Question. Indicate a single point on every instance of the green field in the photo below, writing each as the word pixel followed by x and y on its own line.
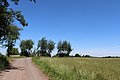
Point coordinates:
pixel 80 68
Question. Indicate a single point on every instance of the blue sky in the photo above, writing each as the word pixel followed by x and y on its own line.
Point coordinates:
pixel 92 26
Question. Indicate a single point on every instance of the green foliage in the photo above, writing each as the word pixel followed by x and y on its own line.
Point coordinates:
pixel 79 68
pixel 45 47
pixel 77 55
pixel 42 46
pixel 7 18
pixel 50 47
pixel 6 2
pixel 11 37
pixel 59 46
pixel 64 48
pixel 86 56
pixel 26 46
pixel 3 62
pixel 14 51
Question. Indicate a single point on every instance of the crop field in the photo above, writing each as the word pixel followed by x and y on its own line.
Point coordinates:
pixel 79 68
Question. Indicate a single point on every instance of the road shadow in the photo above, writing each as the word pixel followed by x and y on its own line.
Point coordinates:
pixel 10 67
pixel 1 74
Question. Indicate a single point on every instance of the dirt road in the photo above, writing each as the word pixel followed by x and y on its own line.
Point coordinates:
pixel 22 69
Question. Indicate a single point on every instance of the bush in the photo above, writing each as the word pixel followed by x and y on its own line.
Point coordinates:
pixel 3 62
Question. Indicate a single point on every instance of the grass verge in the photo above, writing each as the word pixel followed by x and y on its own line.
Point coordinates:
pixel 4 61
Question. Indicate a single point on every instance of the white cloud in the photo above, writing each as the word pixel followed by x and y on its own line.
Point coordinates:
pixel 109 51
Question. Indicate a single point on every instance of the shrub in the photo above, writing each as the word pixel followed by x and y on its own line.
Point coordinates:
pixel 3 62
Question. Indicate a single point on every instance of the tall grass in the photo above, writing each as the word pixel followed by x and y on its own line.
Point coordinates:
pixel 79 68
pixel 3 62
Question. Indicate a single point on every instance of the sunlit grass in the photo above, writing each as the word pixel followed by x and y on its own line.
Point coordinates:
pixel 80 68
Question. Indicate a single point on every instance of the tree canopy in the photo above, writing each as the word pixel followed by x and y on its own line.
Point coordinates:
pixel 14 51
pixel 26 46
pixel 64 48
pixel 45 47
pixel 11 37
pixel 42 46
pixel 7 18
pixel 50 47
pixel 6 2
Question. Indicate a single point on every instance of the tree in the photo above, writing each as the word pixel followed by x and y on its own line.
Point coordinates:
pixel 11 37
pixel 26 46
pixel 77 55
pixel 14 51
pixel 45 47
pixel 7 18
pixel 59 47
pixel 69 49
pixel 23 47
pixel 29 45
pixel 64 48
pixel 6 3
pixel 50 47
pixel 86 56
pixel 7 14
pixel 42 46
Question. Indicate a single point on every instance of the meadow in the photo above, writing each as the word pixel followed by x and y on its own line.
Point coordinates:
pixel 79 68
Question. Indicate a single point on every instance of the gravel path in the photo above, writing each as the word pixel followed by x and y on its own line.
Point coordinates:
pixel 22 69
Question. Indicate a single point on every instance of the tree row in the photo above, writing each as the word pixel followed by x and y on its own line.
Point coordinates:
pixel 45 48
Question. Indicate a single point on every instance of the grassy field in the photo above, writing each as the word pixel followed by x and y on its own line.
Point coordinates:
pixel 80 68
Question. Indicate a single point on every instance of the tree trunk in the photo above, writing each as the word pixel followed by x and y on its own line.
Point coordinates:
pixel 8 52
pixel 9 49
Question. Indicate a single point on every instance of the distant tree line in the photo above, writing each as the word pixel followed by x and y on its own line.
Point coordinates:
pixel 111 57
pixel 45 48
pixel 78 55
